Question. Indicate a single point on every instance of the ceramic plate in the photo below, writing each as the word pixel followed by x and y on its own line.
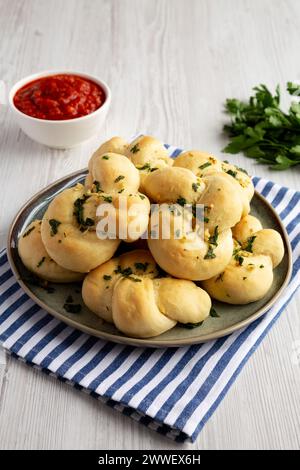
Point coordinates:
pixel 230 318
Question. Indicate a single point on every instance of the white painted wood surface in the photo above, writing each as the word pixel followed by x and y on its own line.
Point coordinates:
pixel 170 64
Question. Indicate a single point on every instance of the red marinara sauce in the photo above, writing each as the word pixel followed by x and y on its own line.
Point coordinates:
pixel 59 97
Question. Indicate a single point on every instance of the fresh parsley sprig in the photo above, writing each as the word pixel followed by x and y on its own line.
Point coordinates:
pixel 262 130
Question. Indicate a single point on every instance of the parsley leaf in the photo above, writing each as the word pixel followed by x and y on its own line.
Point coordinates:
pixel 181 201
pixel 262 130
pixel 28 232
pixel 54 226
pixel 119 178
pixel 249 245
pixel 189 326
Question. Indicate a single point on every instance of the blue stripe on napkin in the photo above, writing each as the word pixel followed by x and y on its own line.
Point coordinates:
pixel 173 391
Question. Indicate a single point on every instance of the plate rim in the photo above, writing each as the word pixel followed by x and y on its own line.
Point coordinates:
pixel 147 342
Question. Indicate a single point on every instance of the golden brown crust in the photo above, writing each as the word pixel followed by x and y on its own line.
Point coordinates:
pixel 71 247
pixel 127 292
pixel 249 275
pixel 35 257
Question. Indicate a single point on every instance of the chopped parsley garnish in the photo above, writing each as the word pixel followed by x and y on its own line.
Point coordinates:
pixel 213 239
pixel 72 308
pixel 195 186
pixel 210 253
pixel 105 157
pixel 213 243
pixel 231 173
pixel 28 232
pixel 124 272
pixel 213 313
pixel 127 272
pixel 78 212
pixel 242 169
pixel 142 196
pixel 121 190
pixel 119 178
pixel 54 226
pixel 239 259
pixel 261 266
pixel 42 283
pixel 205 165
pixel 135 148
pixel 106 277
pixel 142 266
pixel 181 201
pixel 145 167
pixel 220 277
pixel 249 245
pixel 97 187
pixel 41 262
pixel 189 326
pixel 107 198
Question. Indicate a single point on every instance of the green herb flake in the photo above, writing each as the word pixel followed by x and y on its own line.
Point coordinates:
pixel 142 266
pixel 231 173
pixel 121 190
pixel 107 198
pixel 72 308
pixel 146 166
pixel 181 201
pixel 205 165
pixel 134 279
pixel 105 157
pixel 213 239
pixel 119 178
pixel 106 277
pixel 142 196
pixel 135 148
pixel 249 246
pixel 97 187
pixel 220 277
pixel 54 224
pixel 242 170
pixel 189 326
pixel 213 313
pixel 239 259
pixel 210 253
pixel 28 232
pixel 41 262
pixel 261 266
pixel 79 213
pixel 195 187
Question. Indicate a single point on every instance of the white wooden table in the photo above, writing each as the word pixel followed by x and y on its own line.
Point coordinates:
pixel 170 65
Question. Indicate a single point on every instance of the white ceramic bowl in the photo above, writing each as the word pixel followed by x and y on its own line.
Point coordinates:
pixel 65 133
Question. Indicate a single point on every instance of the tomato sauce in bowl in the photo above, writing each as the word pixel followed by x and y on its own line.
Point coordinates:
pixel 59 97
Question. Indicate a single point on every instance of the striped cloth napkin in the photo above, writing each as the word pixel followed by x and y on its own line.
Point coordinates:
pixel 173 391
